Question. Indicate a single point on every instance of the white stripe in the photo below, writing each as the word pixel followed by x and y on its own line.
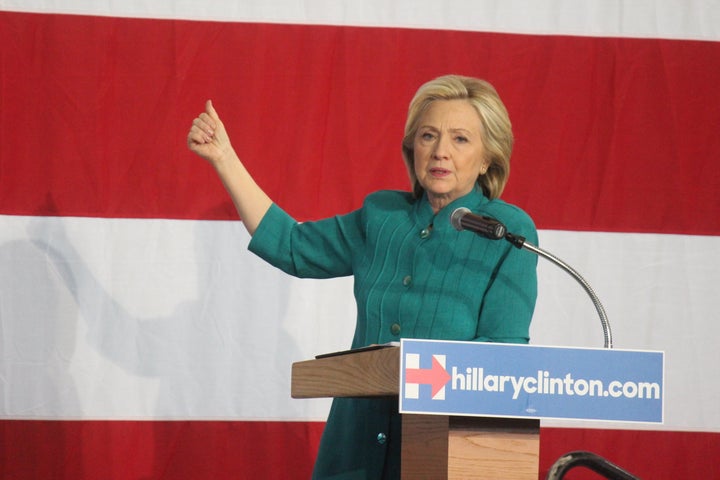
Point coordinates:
pixel 659 292
pixel 682 19
pixel 105 318
pixel 114 318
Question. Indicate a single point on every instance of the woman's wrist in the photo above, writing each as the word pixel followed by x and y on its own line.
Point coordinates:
pixel 226 159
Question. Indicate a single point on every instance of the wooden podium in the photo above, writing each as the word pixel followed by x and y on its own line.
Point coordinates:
pixel 433 446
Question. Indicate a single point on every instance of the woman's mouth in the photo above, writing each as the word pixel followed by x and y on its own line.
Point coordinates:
pixel 439 172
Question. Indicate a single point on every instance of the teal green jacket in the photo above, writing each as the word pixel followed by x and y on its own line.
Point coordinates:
pixel 415 276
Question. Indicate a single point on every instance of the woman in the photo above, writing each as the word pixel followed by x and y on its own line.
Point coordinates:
pixel 415 275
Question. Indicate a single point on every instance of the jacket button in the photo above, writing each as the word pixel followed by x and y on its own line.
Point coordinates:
pixel 395 329
pixel 425 233
pixel 407 280
pixel 381 438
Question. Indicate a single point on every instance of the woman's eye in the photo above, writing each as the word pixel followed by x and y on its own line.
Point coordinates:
pixel 461 139
pixel 427 136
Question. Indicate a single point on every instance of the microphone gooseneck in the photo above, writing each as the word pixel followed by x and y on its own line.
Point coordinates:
pixel 462 219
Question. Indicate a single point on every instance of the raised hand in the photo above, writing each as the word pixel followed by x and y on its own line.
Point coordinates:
pixel 207 137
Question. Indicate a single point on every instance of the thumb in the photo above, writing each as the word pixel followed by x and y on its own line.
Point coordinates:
pixel 210 110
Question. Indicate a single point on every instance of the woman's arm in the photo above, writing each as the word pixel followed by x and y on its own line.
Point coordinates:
pixel 509 302
pixel 208 139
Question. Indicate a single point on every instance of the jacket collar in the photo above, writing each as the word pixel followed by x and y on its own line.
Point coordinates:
pixel 424 214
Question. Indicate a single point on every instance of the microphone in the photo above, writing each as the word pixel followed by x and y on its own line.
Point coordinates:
pixel 463 219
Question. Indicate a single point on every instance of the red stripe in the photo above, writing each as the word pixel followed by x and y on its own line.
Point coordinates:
pixel 644 453
pixel 125 450
pixel 120 450
pixel 612 134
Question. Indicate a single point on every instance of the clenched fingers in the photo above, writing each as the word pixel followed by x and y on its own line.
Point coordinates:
pixel 202 129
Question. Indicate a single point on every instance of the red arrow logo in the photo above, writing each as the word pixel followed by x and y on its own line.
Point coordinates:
pixel 436 376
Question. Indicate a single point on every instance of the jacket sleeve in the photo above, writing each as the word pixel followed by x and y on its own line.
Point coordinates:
pixel 321 249
pixel 509 301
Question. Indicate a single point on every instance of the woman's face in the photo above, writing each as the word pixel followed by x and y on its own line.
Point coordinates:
pixel 448 151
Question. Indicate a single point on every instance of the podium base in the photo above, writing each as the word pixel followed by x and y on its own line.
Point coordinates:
pixel 443 447
pixel 434 447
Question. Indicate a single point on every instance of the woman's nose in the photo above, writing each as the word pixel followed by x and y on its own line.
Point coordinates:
pixel 442 146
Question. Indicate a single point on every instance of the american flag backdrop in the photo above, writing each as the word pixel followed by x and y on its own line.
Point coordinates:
pixel 140 339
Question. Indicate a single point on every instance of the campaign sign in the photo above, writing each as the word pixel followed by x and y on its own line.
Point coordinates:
pixel 504 380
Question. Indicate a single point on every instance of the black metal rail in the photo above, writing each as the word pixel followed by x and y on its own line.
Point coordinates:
pixel 589 460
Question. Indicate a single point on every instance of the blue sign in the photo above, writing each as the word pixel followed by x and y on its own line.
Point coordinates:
pixel 504 380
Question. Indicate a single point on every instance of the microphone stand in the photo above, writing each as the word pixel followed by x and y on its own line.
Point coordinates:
pixel 519 242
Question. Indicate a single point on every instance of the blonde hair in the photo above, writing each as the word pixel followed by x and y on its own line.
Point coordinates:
pixel 496 131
